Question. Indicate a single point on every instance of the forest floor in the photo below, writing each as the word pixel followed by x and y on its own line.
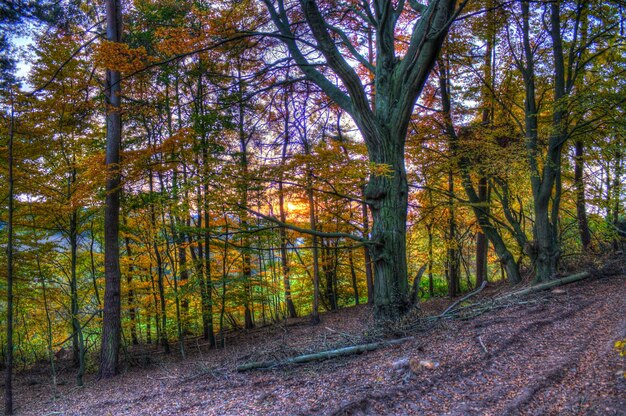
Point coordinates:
pixel 551 355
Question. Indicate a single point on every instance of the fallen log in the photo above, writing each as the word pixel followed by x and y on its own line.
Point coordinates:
pixel 547 285
pixel 324 355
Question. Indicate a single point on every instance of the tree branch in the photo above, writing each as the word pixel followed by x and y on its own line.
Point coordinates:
pixel 306 230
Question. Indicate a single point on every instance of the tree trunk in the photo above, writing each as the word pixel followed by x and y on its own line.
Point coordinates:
pixel 387 196
pixel 130 294
pixel 581 206
pixel 8 375
pixel 159 265
pixel 206 284
pixel 617 192
pixel 329 274
pixel 78 345
pixel 171 255
pixel 155 300
pixel 111 324
pixel 481 239
pixel 315 316
pixel 452 262
pixel 482 244
pixel 291 309
pixel 224 273
pixel 184 278
pixel 324 355
pixel 208 294
pixel 431 288
pixel 355 287
pixel 243 215
pixel 545 182
pixel 92 241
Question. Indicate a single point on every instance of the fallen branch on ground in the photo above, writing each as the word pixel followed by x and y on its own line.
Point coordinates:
pixel 355 349
pixel 548 285
pixel 478 308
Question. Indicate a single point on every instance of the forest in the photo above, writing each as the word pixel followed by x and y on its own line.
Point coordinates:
pixel 185 177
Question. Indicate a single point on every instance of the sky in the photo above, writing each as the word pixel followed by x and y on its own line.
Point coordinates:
pixel 23 66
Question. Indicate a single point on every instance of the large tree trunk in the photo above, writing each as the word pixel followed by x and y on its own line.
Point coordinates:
pixel 387 196
pixel 111 324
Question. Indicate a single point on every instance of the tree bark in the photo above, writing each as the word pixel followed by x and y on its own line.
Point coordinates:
pixel 111 324
pixel 8 375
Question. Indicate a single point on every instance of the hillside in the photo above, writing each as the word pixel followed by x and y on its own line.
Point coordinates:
pixel 551 353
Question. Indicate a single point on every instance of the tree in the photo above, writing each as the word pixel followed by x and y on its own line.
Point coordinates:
pixel 7 87
pixel 382 117
pixel 284 261
pixel 8 380
pixel 111 324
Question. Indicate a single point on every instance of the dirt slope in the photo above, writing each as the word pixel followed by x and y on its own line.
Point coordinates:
pixel 553 355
